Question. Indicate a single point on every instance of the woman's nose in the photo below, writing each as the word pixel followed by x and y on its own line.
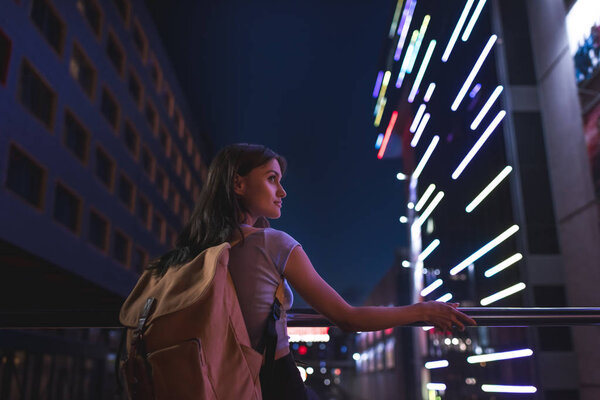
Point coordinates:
pixel 282 193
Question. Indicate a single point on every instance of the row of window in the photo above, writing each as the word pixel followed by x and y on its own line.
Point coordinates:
pixel 27 179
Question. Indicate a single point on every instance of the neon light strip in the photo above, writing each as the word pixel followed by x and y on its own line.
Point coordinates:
pixel 422 125
pixel 436 284
pixel 488 189
pixel 475 256
pixel 503 265
pixel 395 20
pixel 425 157
pixel 415 123
pixel 457 28
pixel 437 364
pixel 474 72
pixel 415 52
pixel 378 84
pixel 463 164
pixel 384 85
pixel 425 197
pixel 475 90
pixel 380 112
pixel 407 58
pixel 409 8
pixel 502 294
pixel 505 355
pixel 508 389
pixel 445 298
pixel 473 20
pixel 486 107
pixel 388 132
pixel 422 69
pixel 432 246
pixel 379 140
pixel 436 200
pixel 436 386
pixel 429 92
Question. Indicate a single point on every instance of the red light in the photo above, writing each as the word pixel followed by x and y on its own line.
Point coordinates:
pixel 388 133
pixel 302 350
pixel 389 331
pixel 337 371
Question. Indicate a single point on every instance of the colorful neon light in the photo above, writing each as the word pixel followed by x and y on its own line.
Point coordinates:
pixel 489 188
pixel 388 132
pixel 422 125
pixel 503 265
pixel 504 355
pixel 422 69
pixel 407 58
pixel 415 123
pixel 489 246
pixel 379 140
pixel 437 364
pixel 508 389
pixel 434 141
pixel 395 19
pixel 457 29
pixel 425 197
pixel 415 52
pixel 434 203
pixel 486 107
pixel 409 9
pixel 445 298
pixel 429 92
pixel 490 129
pixel 502 294
pixel 436 386
pixel 378 84
pixel 380 112
pixel 473 20
pixel 475 90
pixel 429 249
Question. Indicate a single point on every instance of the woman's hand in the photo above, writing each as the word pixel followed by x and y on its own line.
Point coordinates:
pixel 444 315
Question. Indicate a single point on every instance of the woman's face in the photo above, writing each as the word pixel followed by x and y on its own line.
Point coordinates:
pixel 261 192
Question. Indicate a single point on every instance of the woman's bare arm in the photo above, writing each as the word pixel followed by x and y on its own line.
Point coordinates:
pixel 301 274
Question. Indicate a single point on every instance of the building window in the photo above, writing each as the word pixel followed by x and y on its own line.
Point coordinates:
pixel 165 140
pixel 121 248
pixel 168 99
pixel 155 72
pixel 131 139
pixel 197 161
pixel 151 116
pixel 158 226
pixel 49 23
pixel 143 210
pixel 36 95
pixel 105 168
pixel 171 237
pixel 178 119
pixel 25 177
pixel 92 13
pixel 176 157
pixel 67 208
pixel 187 177
pixel 173 199
pixel 139 260
pixel 190 142
pixel 115 53
pixel 110 108
pixel 139 39
pixel 148 162
pixel 76 138
pixel 123 9
pixel 98 231
pixel 5 50
pixel 185 214
pixel 126 191
pixel 82 70
pixel 161 182
pixel 135 88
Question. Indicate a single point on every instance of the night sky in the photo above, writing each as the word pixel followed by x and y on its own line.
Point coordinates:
pixel 298 77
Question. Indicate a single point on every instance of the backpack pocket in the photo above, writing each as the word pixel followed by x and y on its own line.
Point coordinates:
pixel 180 372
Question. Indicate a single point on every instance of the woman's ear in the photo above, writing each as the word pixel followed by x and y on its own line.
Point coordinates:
pixel 239 185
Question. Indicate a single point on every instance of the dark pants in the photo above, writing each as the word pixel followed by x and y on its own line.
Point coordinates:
pixel 285 383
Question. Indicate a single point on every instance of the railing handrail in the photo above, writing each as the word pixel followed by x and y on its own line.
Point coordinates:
pixel 484 316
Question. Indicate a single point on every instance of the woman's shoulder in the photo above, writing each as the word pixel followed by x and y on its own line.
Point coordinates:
pixel 275 234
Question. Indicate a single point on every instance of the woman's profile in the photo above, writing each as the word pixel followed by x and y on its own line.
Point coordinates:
pixel 242 191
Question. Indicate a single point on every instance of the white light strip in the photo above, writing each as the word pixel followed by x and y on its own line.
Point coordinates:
pixel 436 386
pixel 422 125
pixel 429 92
pixel 422 69
pixel 436 284
pixel 473 20
pixel 508 389
pixel 437 364
pixel 445 298
pixel 490 129
pixel 505 355
pixel 425 197
pixel 503 265
pixel 407 14
pixel 475 256
pixel 489 188
pixel 474 72
pixel 436 200
pixel 502 294
pixel 429 249
pixel 407 58
pixel 415 123
pixel 457 28
pixel 415 52
pixel 425 158
pixel 486 107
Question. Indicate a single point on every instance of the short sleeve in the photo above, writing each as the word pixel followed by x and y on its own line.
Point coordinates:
pixel 279 247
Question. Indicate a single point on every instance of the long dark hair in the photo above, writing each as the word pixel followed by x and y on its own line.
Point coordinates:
pixel 218 211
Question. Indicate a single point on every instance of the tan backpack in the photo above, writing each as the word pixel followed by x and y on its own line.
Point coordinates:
pixel 186 337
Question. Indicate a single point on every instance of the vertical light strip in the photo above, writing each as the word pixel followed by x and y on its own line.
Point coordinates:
pixel 407 58
pixel 422 69
pixel 475 90
pixel 384 85
pixel 503 265
pixel 457 28
pixel 380 112
pixel 429 92
pixel 502 294
pixel 434 203
pixel 445 298
pixel 486 107
pixel 474 71
pixel 415 123
pixel 508 389
pixel 395 20
pixel 429 249
pixel 378 84
pixel 415 52
pixel 488 189
pixel 425 197
pixel 436 284
pixel 388 132
pixel 425 158
pixel 422 125
pixel 473 20
pixel 463 164
pixel 409 8
pixel 379 140
pixel 489 246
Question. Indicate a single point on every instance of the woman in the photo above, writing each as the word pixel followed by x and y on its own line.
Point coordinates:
pixel 242 190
